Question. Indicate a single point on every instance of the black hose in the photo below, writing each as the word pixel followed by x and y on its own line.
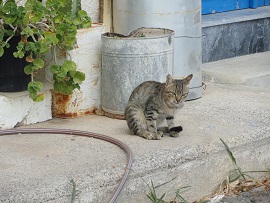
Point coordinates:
pixel 86 134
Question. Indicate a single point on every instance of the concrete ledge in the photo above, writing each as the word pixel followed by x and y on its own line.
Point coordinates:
pixel 235 16
pixel 235 33
pixel 38 168
pixel 18 109
pixel 251 70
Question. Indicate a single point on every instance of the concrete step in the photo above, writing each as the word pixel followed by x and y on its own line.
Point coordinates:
pixel 18 109
pixel 250 70
pixel 38 168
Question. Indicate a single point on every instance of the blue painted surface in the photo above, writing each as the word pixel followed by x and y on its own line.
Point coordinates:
pixel 217 6
pixel 256 3
pixel 241 4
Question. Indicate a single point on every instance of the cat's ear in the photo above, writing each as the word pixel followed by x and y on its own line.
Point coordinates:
pixel 169 79
pixel 188 78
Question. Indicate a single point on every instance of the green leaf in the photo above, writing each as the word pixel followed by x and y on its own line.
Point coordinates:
pixel 77 21
pixel 82 13
pixel 79 77
pixel 30 46
pixel 1 36
pixel 15 54
pixel 59 18
pixel 51 38
pixel 234 175
pixel 63 88
pixel 69 65
pixel 43 48
pixel 9 19
pixel 39 98
pixel 35 86
pixel 1 51
pixel 20 54
pixel 20 46
pixel 39 63
pixel 54 68
pixel 9 7
pixel 61 75
pixel 27 31
pixel 28 69
pixel 229 151
pixel 87 24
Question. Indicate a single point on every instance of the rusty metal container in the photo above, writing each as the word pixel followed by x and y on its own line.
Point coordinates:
pixel 144 54
pixel 182 16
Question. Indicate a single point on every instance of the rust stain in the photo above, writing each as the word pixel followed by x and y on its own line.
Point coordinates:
pixel 60 104
pixel 62 99
pixel 96 66
pixel 65 115
pixel 63 106
pixel 112 115
pixel 91 111
pixel 95 81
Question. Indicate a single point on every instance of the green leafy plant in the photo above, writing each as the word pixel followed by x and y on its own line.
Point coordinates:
pixel 43 29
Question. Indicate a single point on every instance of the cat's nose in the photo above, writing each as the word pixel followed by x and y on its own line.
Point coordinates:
pixel 178 99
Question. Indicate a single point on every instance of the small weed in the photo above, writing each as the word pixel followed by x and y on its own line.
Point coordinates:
pixel 237 174
pixel 74 191
pixel 178 197
pixel 155 199
pixel 153 196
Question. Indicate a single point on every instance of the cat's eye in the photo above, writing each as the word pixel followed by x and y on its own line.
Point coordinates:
pixel 171 93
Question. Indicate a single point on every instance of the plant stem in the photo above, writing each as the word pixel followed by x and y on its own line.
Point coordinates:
pixel 14 30
pixel 33 37
pixel 54 55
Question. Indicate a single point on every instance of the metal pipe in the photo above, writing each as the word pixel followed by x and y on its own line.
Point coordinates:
pixel 120 144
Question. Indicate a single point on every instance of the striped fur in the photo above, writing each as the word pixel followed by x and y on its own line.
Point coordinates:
pixel 153 102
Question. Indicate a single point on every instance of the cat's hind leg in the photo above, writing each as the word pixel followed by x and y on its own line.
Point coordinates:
pixel 151 122
pixel 136 122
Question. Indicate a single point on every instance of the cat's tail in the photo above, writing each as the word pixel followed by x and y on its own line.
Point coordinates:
pixel 135 119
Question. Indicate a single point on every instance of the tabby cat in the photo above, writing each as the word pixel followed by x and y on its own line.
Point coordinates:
pixel 152 102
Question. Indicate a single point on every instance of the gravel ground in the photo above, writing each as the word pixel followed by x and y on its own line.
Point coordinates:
pixel 254 196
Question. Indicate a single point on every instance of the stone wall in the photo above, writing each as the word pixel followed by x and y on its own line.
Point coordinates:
pixel 235 39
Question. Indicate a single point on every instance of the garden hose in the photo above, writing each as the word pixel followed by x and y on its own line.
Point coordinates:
pixel 85 134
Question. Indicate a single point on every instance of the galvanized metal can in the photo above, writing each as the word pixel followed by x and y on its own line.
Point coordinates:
pixel 127 61
pixel 182 16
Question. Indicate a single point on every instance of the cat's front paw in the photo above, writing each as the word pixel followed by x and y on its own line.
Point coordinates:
pixel 174 134
pixel 147 135
pixel 158 135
